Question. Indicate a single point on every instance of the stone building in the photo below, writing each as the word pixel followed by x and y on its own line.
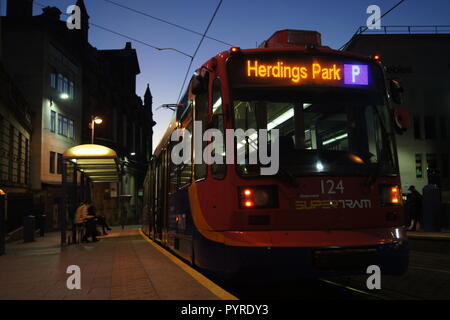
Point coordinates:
pixel 66 81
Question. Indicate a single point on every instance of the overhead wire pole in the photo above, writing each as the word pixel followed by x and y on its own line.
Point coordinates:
pixel 198 47
pixel 126 36
pixel 364 29
pixel 164 21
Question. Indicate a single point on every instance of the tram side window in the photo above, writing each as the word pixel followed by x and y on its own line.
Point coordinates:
pixel 201 114
pixel 173 175
pixel 185 169
pixel 218 167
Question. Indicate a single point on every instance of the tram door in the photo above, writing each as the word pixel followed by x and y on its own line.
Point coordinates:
pixel 158 208
pixel 164 194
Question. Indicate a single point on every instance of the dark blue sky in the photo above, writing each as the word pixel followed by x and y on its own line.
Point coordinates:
pixel 240 22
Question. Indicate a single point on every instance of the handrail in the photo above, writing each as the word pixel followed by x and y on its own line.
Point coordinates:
pixel 437 29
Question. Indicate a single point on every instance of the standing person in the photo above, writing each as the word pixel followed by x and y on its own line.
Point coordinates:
pixel 91 223
pixel 123 217
pixel 414 199
pixel 102 222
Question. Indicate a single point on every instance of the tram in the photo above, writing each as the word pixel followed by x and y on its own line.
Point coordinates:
pixel 331 204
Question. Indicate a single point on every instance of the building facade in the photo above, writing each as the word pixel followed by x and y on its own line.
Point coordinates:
pixel 15 134
pixel 421 62
pixel 66 82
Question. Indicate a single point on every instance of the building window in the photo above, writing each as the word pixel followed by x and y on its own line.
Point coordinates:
pixel 52 121
pixel 419 167
pixel 443 126
pixel 71 90
pixel 71 129
pixel 19 159
pixel 52 162
pixel 417 133
pixel 53 80
pixel 60 124
pixel 65 126
pixel 445 165
pixel 66 85
pixel 430 127
pixel 60 82
pixel 59 164
pixel 27 158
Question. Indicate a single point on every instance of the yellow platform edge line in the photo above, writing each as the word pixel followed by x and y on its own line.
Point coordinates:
pixel 208 284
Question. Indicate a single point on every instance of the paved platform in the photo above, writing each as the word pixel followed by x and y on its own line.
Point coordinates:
pixel 123 265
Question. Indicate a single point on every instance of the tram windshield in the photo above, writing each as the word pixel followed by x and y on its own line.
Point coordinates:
pixel 322 131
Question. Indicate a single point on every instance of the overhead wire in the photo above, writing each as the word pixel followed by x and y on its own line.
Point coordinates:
pixel 198 47
pixel 164 21
pixel 126 36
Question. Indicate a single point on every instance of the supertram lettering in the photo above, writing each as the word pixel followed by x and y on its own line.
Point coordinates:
pixel 332 204
pixel 316 204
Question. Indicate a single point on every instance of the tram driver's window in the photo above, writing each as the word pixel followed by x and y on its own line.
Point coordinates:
pixel 173 174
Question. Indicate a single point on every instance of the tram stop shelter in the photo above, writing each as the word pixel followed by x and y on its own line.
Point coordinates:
pixel 82 166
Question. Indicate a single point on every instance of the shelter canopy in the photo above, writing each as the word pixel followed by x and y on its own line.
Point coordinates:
pixel 97 162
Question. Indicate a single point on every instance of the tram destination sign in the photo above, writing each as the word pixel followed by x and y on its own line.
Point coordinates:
pixel 253 70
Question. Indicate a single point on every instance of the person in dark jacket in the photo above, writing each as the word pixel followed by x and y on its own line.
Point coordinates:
pixel 91 223
pixel 414 199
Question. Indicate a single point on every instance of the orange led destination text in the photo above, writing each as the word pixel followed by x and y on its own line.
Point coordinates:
pixel 295 73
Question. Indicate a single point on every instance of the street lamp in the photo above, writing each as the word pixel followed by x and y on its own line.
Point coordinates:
pixel 94 121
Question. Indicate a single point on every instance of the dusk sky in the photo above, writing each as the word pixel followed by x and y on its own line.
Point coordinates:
pixel 241 23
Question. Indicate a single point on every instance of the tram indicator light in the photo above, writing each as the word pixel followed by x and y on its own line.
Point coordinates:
pixel 390 195
pixel 258 197
pixel 249 204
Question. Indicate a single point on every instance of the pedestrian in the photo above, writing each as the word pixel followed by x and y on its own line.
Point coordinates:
pixel 91 223
pixel 414 199
pixel 102 222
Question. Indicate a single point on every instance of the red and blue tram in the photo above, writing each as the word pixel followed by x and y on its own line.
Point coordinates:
pixel 333 206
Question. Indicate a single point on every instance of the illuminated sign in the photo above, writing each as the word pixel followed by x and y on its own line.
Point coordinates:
pixel 299 70
pixel 356 74
pixel 295 73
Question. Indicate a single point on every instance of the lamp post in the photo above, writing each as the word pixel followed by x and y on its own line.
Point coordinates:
pixel 94 121
pixel 2 221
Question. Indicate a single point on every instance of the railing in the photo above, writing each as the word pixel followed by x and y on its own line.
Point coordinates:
pixel 398 30
pixel 405 30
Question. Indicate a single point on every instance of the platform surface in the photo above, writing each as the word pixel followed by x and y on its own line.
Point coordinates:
pixel 122 265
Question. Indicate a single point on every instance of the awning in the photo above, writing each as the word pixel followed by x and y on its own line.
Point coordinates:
pixel 99 163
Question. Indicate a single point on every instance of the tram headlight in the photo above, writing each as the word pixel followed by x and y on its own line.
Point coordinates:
pixel 258 197
pixel 390 195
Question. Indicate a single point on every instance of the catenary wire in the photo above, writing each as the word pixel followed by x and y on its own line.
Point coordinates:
pixel 198 47
pixel 165 21
pixel 126 36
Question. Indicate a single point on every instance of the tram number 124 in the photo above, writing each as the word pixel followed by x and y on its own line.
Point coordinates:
pixel 331 187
